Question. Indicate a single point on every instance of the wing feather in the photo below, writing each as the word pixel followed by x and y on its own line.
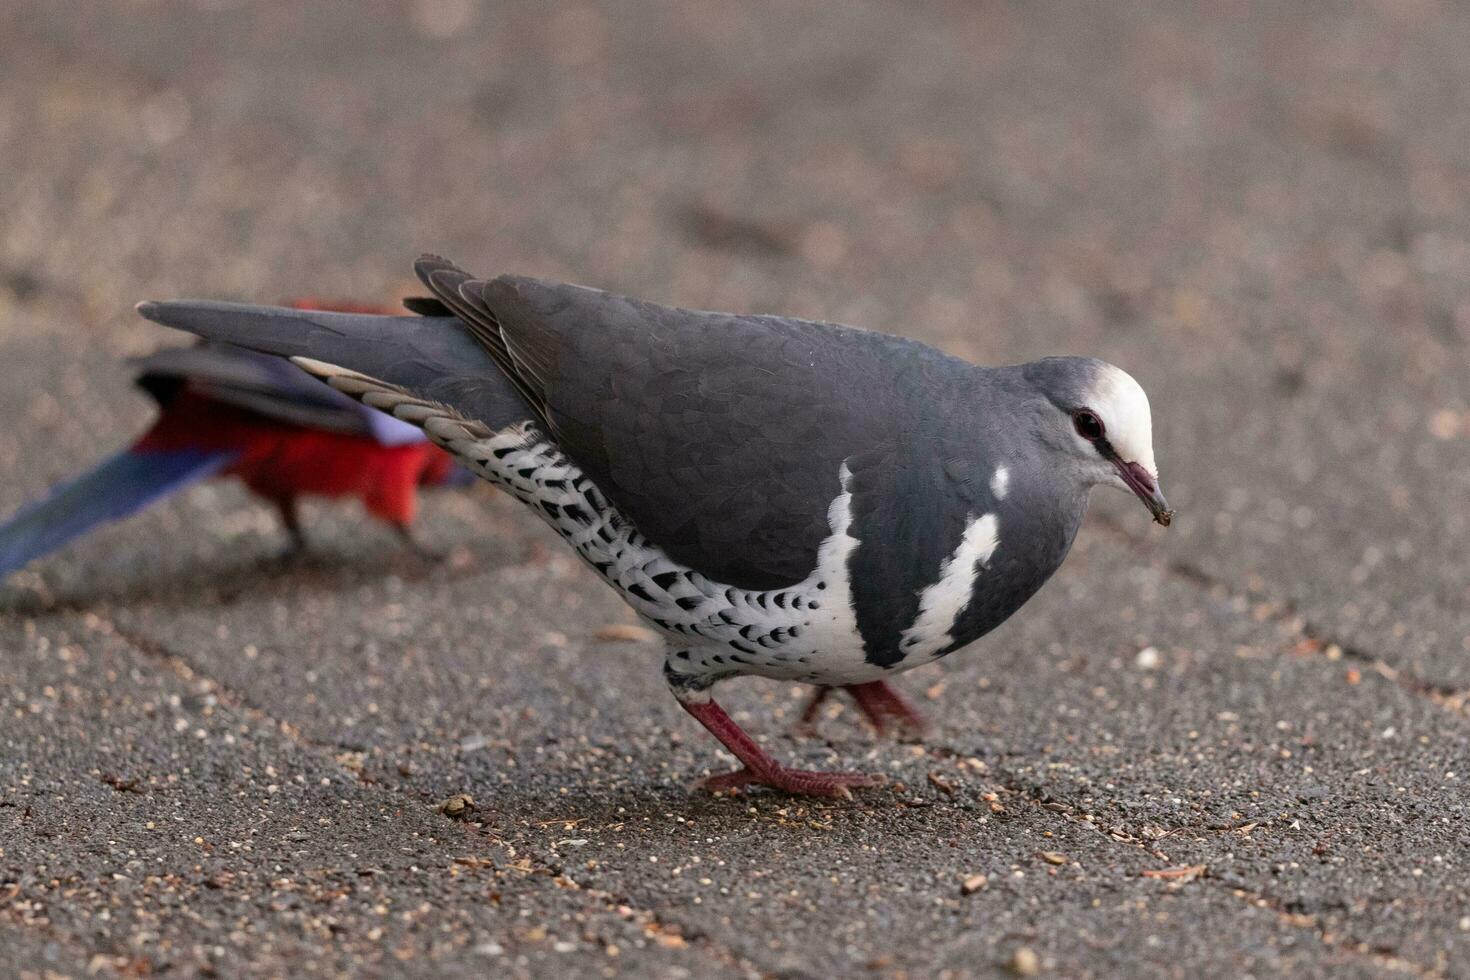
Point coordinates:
pixel 721 436
pixel 448 283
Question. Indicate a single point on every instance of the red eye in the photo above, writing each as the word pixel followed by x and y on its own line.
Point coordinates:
pixel 1089 426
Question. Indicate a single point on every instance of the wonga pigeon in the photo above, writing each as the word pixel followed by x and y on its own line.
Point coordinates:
pixel 227 411
pixel 778 497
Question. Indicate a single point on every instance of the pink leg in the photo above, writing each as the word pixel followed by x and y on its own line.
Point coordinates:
pixel 878 701
pixel 882 704
pixel 760 769
pixel 808 718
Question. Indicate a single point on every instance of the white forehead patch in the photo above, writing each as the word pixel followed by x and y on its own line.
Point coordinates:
pixel 1123 407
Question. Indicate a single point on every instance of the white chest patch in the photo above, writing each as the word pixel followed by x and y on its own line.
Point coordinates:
pixel 941 603
pixel 1000 483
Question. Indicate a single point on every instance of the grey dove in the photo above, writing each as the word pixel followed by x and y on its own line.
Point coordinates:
pixel 779 497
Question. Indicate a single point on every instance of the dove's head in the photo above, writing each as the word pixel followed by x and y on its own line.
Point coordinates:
pixel 1099 420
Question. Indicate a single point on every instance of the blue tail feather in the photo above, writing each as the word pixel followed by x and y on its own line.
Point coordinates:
pixel 459 477
pixel 116 488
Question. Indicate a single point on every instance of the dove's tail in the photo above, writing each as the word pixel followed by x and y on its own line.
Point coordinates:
pixel 433 358
pixel 114 489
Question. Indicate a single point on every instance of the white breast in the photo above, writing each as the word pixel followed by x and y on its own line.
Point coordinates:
pixel 941 603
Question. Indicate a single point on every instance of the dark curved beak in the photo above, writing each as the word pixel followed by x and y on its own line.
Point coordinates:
pixel 1147 489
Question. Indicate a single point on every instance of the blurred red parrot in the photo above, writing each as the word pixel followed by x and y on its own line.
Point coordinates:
pixel 226 411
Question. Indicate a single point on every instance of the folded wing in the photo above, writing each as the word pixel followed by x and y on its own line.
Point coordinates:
pixel 720 435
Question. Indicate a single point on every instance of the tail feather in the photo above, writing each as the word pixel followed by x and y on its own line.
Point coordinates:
pixel 451 474
pixel 435 359
pixel 118 487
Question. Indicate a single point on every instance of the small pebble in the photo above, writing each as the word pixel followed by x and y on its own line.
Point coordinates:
pixel 458 807
pixel 1148 659
pixel 1444 424
pixel 1025 962
pixel 973 884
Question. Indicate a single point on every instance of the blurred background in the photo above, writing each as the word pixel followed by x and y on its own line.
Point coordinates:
pixel 1259 209
pixel 1256 208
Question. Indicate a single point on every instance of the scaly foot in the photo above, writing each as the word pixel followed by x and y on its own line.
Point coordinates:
pixel 759 769
pixel 797 782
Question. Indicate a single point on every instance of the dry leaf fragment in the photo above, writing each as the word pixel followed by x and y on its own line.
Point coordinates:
pixel 624 633
pixel 1184 872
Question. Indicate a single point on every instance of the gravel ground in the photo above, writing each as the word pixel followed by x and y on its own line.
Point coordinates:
pixel 1238 747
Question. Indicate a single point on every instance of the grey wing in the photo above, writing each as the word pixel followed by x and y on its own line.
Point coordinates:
pixel 721 436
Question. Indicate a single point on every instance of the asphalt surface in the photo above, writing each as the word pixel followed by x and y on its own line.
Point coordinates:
pixel 1238 747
